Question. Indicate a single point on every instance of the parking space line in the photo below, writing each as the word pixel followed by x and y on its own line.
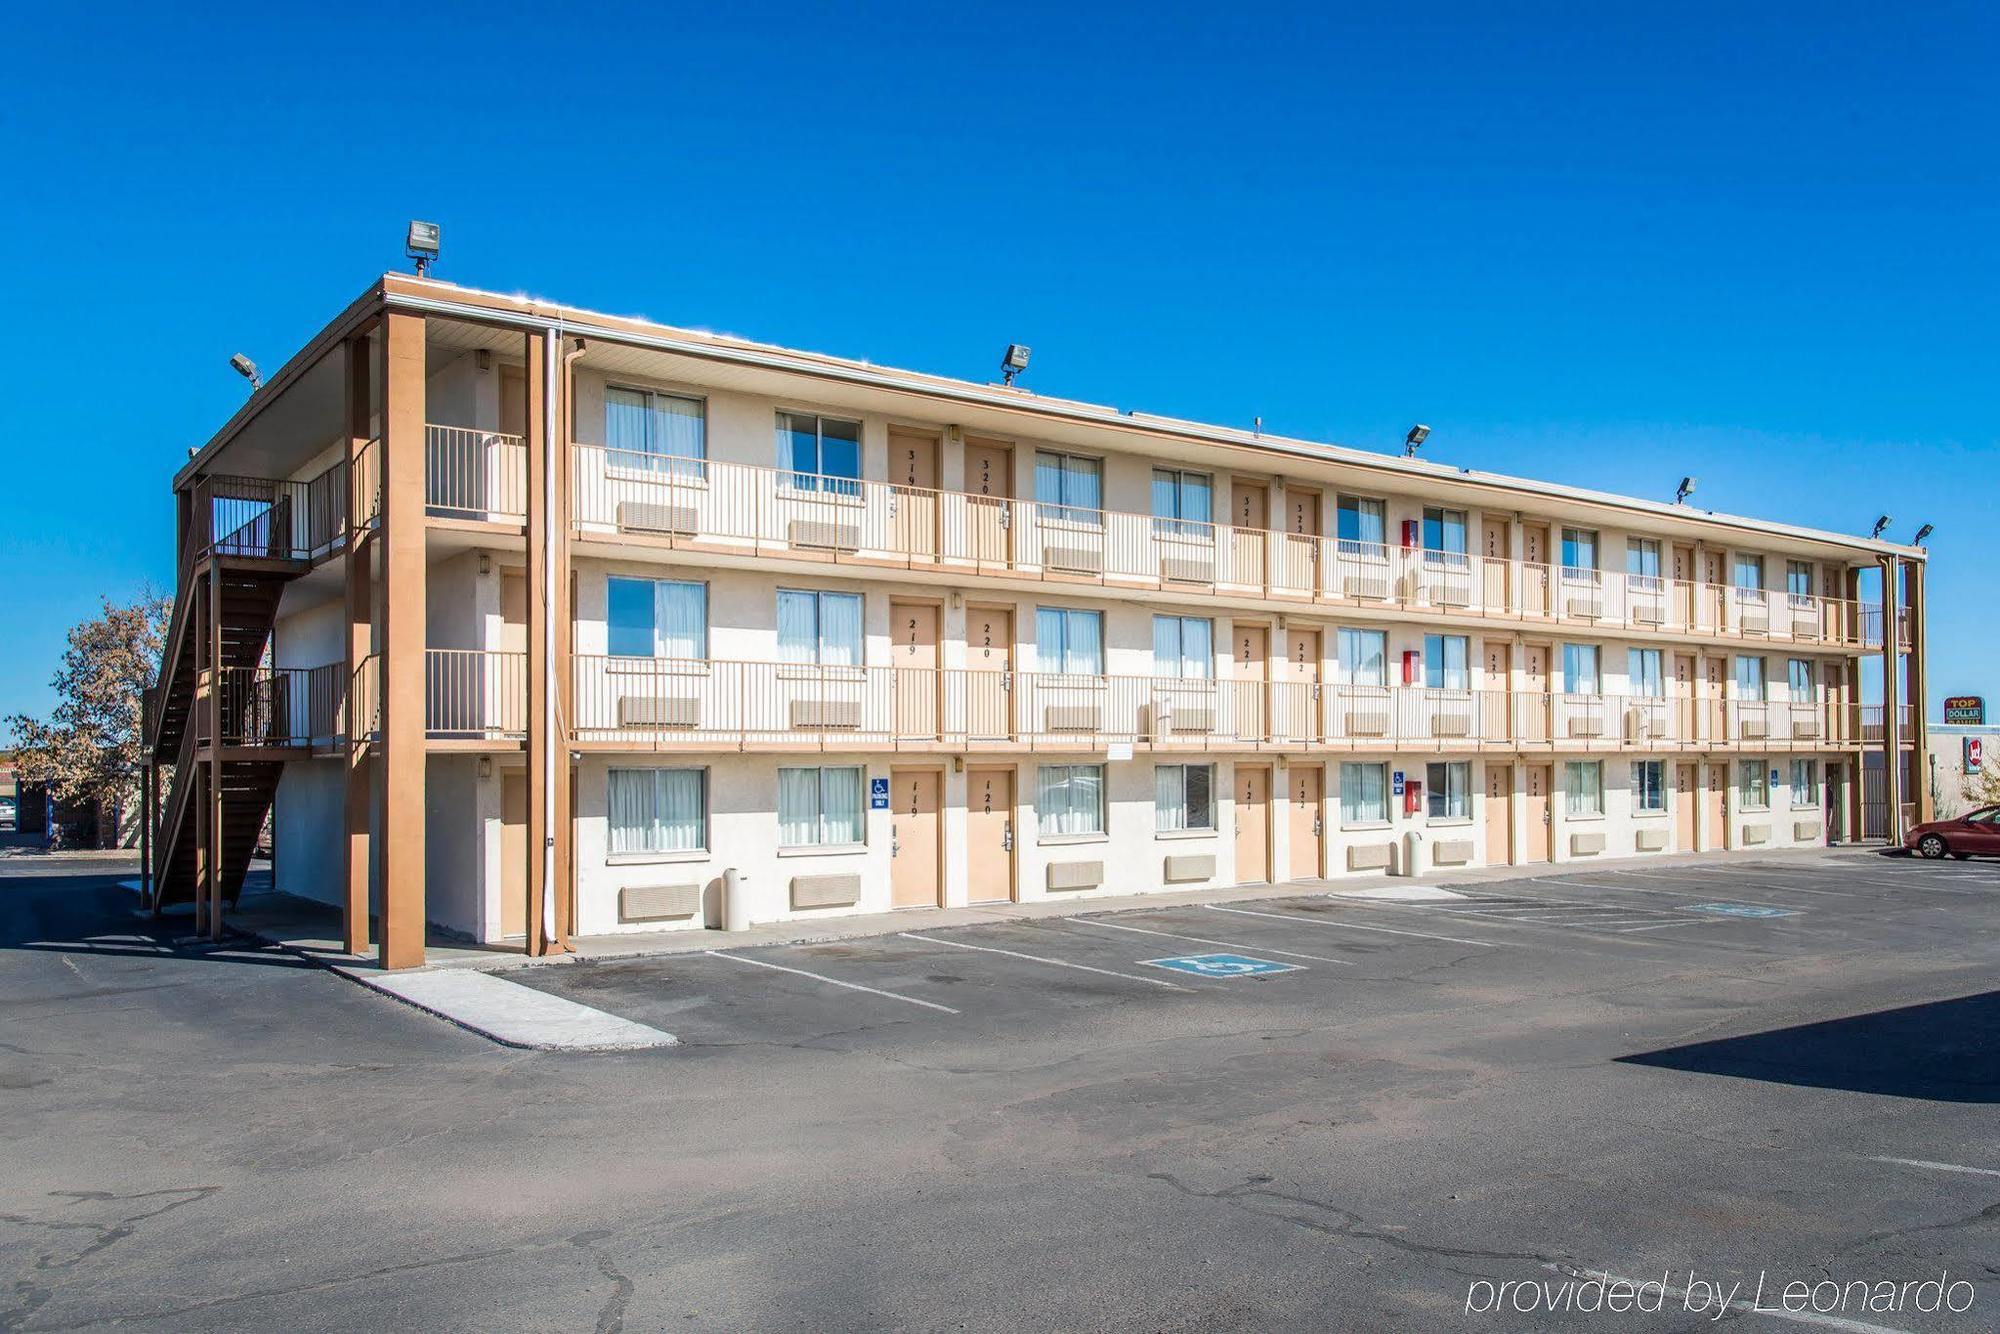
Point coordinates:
pixel 1037 958
pixel 833 981
pixel 1357 926
pixel 1204 940
pixel 1783 889
pixel 1940 1167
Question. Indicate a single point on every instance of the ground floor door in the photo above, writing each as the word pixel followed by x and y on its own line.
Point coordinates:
pixel 1715 806
pixel 1687 808
pixel 1308 825
pixel 1499 814
pixel 513 854
pixel 1540 831
pixel 914 842
pixel 1253 823
pixel 989 835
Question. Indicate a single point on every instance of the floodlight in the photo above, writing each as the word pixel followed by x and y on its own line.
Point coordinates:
pixel 1880 525
pixel 1923 533
pixel 247 368
pixel 1686 490
pixel 1418 434
pixel 422 245
pixel 1015 361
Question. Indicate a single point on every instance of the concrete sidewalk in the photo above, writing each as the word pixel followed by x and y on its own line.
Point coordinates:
pixel 313 929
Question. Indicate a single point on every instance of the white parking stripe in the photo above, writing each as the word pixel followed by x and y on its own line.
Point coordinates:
pixel 1204 940
pixel 833 981
pixel 1037 958
pixel 1356 926
pixel 1940 1167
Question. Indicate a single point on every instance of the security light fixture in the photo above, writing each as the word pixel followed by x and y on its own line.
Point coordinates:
pixel 422 245
pixel 1923 533
pixel 247 368
pixel 1015 361
pixel 1880 525
pixel 1418 434
pixel 1686 490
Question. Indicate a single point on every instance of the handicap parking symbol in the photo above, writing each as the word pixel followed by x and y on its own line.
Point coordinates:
pixel 1739 910
pixel 1223 965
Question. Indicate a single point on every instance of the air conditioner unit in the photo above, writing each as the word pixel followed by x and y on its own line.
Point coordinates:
pixel 1648 613
pixel 1073 559
pixel 1805 729
pixel 636 516
pixel 1754 729
pixel 1368 722
pixel 824 714
pixel 1199 719
pixel 1371 585
pixel 820 535
pixel 1641 724
pixel 1189 569
pixel 1451 593
pixel 1072 718
pixel 1586 725
pixel 1589 605
pixel 655 711
pixel 1452 724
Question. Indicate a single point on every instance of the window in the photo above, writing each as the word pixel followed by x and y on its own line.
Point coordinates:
pixel 1364 794
pixel 823 629
pixel 1649 787
pixel 661 431
pixel 1579 551
pixel 657 810
pixel 1799 581
pixel 1642 563
pixel 1583 787
pixel 1580 669
pixel 820 453
pixel 1069 488
pixel 1642 673
pixel 819 808
pixel 1069 799
pixel 1361 525
pixel 1805 784
pixel 1444 663
pixel 1753 788
pixel 1183 797
pixel 1799 677
pixel 1448 790
pixel 1183 646
pixel 1364 656
pixel 1444 536
pixel 1069 641
pixel 656 618
pixel 1749 677
pixel 1182 502
pixel 1749 572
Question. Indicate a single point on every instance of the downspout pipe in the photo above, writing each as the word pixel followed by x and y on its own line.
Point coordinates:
pixel 551 416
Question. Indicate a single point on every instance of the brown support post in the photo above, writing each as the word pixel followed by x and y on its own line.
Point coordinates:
pixel 146 827
pixel 541 752
pixel 1892 732
pixel 359 644
pixel 212 880
pixel 564 590
pixel 401 660
pixel 1919 725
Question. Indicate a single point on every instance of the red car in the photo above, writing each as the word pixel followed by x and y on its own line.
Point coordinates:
pixel 1976 832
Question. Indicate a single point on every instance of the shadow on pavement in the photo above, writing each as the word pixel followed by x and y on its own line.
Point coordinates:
pixel 1942 1051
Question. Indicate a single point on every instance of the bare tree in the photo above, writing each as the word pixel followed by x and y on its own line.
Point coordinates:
pixel 90 746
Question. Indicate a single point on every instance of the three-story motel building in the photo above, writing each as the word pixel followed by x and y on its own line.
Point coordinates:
pixel 526 622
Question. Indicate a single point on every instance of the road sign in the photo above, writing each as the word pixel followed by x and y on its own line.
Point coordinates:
pixel 1739 910
pixel 878 794
pixel 1222 965
pixel 1965 710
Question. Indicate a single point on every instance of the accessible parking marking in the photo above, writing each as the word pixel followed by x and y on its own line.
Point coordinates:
pixel 1222 965
pixel 1039 958
pixel 832 981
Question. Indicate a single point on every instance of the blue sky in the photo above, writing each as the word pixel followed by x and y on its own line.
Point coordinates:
pixel 1606 245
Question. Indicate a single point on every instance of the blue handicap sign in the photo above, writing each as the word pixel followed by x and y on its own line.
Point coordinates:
pixel 1739 910
pixel 878 794
pixel 1223 965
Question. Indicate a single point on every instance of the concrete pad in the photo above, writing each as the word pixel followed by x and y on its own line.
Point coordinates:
pixel 1394 893
pixel 511 1014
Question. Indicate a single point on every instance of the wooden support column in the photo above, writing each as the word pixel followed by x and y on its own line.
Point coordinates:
pixel 1892 732
pixel 546 753
pixel 360 643
pixel 145 825
pixel 564 590
pixel 212 797
pixel 1916 683
pixel 400 756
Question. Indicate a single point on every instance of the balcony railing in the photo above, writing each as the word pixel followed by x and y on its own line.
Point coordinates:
pixel 691 704
pixel 474 474
pixel 272 520
pixel 475 695
pixel 729 507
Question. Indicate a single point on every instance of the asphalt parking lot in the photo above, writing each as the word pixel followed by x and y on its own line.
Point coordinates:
pixel 1294 1111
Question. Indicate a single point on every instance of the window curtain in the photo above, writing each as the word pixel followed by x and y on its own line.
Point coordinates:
pixel 1362 521
pixel 1069 485
pixel 1068 799
pixel 798 807
pixel 1170 797
pixel 798 626
pixel 840 805
pixel 1166 495
pixel 1069 641
pixel 1363 654
pixel 1585 787
pixel 1642 671
pixel 680 618
pixel 1363 799
pixel 1184 647
pixel 840 629
pixel 1444 662
pixel 656 810
pixel 1750 678
pixel 819 807
pixel 1580 669
pixel 678 427
pixel 625 424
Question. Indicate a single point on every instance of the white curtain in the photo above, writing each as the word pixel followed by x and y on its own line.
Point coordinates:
pixel 819 807
pixel 1169 797
pixel 798 626
pixel 1642 670
pixel 798 807
pixel 840 629
pixel 840 805
pixel 1362 653
pixel 678 427
pixel 656 810
pixel 1362 798
pixel 680 619
pixel 1580 669
pixel 625 424
pixel 1069 799
pixel 1362 521
pixel 1069 641
pixel 1445 666
pixel 1068 483
pixel 1183 646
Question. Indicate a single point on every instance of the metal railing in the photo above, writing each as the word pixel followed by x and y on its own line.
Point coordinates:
pixel 475 694
pixel 260 707
pixel 733 507
pixel 474 474
pixel 695 703
pixel 272 520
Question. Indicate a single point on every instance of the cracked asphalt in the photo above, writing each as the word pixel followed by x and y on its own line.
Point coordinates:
pixel 1030 1125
